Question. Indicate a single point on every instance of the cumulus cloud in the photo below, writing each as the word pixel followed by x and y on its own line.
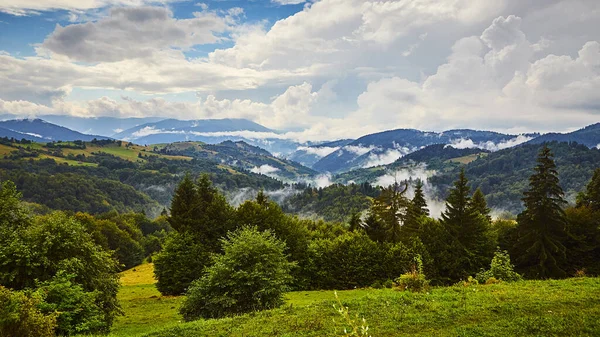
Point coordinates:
pixel 134 32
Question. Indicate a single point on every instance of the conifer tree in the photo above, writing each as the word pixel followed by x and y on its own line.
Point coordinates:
pixel 541 230
pixel 468 226
pixel 591 196
pixel 416 210
pixel 183 205
pixel 390 207
pixel 479 204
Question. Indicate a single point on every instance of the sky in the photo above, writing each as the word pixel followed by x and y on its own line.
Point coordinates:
pixel 321 69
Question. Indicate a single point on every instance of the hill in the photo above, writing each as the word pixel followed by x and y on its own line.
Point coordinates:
pixel 241 155
pixel 40 130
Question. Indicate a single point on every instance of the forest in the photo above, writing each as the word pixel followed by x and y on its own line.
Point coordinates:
pixel 59 271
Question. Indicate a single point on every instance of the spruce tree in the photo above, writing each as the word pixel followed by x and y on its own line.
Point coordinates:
pixel 468 227
pixel 479 204
pixel 539 249
pixel 417 209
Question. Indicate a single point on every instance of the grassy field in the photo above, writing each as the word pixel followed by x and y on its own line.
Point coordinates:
pixel 529 308
pixel 467 159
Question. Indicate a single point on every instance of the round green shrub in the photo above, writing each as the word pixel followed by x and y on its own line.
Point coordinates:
pixel 252 274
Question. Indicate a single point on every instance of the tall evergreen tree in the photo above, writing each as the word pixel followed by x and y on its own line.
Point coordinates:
pixel 183 205
pixel 541 231
pixel 479 204
pixel 417 209
pixel 468 226
pixel 390 207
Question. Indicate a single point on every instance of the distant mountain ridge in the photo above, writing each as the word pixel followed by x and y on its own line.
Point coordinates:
pixel 385 147
pixel 588 136
pixel 41 131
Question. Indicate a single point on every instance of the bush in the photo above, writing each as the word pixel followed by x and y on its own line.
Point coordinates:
pixel 414 280
pixel 20 316
pixel 251 274
pixel 182 261
pixel 78 309
pixel 500 269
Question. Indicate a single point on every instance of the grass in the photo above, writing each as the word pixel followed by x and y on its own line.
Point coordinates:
pixel 529 308
pixel 144 307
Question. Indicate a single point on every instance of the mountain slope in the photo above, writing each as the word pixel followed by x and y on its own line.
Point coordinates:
pixel 588 136
pixel 310 154
pixel 44 131
pixel 503 175
pixel 6 133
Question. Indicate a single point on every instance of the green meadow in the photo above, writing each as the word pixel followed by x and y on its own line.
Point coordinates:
pixel 568 307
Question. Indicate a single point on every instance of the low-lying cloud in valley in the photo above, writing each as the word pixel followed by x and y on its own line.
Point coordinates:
pixel 465 143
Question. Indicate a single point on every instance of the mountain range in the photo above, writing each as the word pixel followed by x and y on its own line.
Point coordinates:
pixel 373 150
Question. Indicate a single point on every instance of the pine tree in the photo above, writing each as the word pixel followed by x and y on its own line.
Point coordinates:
pixel 416 210
pixel 591 196
pixel 479 204
pixel 183 205
pixel 469 227
pixel 390 207
pixel 541 230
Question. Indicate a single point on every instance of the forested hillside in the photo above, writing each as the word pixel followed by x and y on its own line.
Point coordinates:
pixel 502 176
pixel 106 175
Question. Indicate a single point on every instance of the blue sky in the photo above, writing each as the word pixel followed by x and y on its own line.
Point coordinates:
pixel 326 69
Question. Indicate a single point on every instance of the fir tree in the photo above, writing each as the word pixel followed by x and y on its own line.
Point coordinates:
pixel 479 204
pixel 416 210
pixel 468 227
pixel 541 231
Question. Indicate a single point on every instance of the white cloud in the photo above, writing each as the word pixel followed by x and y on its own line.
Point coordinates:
pixel 359 150
pixel 134 32
pixel 462 143
pixel 266 169
pixel 34 7
pixel 320 151
pixel 288 2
